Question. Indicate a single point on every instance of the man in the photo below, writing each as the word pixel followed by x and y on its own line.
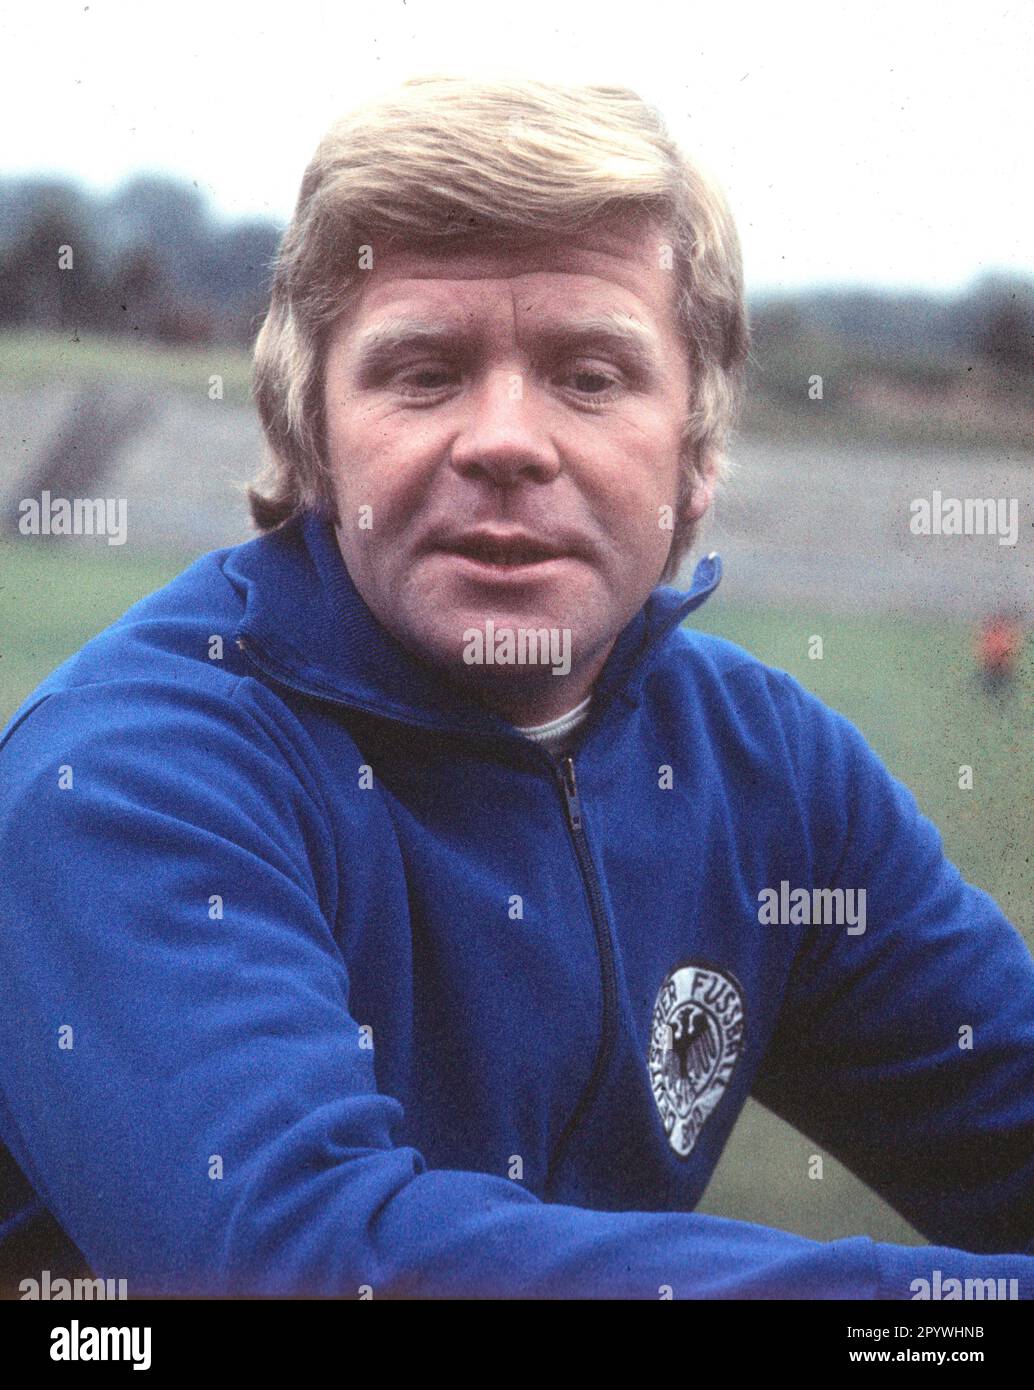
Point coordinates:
pixel 382 908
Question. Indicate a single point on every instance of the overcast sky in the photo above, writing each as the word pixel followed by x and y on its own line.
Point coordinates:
pixel 859 142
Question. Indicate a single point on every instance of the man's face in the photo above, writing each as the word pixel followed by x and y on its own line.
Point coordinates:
pixel 511 417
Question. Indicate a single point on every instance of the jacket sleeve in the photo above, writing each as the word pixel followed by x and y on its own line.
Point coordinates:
pixel 907 1050
pixel 187 1093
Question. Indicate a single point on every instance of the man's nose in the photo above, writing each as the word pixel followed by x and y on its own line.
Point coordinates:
pixel 505 435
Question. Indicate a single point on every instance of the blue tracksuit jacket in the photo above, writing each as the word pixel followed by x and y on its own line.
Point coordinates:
pixel 316 978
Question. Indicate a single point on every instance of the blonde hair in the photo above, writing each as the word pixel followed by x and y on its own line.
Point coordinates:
pixel 451 156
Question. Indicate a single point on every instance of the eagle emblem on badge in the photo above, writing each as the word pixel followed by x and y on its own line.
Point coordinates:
pixel 696 1036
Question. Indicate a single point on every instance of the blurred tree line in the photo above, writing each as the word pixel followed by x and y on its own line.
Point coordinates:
pixel 151 259
pixel 990 324
pixel 148 259
pixel 919 365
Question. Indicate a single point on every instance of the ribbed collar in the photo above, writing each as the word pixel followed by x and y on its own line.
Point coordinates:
pixel 306 625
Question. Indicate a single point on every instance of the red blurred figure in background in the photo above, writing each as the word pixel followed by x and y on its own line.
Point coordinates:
pixel 998 644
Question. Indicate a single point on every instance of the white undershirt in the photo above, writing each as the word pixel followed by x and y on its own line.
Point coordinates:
pixel 555 733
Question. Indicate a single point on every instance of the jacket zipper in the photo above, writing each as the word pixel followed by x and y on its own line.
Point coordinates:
pixel 568 783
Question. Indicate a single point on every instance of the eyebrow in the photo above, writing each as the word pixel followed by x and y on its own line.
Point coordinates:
pixel 618 332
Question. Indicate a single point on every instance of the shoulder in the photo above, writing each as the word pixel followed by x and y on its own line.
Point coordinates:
pixel 727 676
pixel 163 689
pixel 733 707
pixel 178 634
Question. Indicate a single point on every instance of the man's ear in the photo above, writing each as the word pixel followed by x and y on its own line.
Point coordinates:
pixel 698 496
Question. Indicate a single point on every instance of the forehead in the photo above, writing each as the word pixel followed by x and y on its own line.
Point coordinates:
pixel 618 265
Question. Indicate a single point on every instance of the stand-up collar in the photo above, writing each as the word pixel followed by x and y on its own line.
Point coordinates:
pixel 306 624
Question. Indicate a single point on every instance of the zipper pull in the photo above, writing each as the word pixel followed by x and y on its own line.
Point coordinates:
pixel 569 787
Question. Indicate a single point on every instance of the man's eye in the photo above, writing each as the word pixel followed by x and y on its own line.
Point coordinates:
pixel 590 381
pixel 430 378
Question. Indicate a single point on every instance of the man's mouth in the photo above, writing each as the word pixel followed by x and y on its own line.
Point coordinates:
pixel 503 551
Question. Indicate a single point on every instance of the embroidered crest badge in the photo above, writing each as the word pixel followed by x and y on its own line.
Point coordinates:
pixel 695 1039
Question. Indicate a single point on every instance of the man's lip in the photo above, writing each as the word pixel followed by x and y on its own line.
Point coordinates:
pixel 504 550
pixel 499 568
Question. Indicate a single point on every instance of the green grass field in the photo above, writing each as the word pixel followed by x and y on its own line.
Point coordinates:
pixel 908 685
pixel 28 358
